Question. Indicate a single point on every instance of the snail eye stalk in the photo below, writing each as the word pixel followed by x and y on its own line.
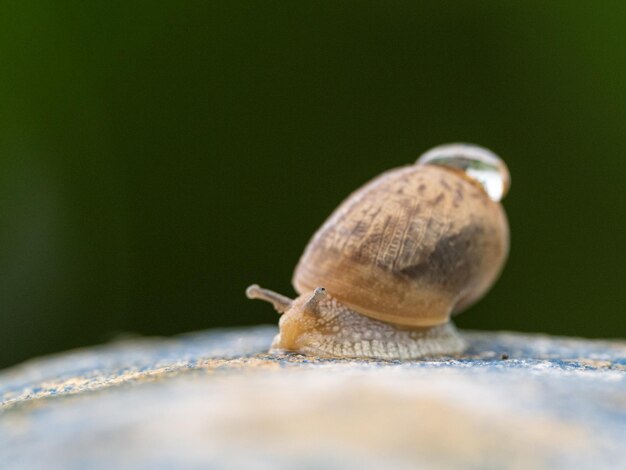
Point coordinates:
pixel 280 302
pixel 312 304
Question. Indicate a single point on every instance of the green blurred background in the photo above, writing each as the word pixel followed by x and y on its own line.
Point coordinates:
pixel 158 157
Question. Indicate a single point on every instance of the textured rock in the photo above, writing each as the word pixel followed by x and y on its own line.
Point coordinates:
pixel 215 399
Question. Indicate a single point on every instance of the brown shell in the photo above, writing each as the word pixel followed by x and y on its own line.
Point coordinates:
pixel 410 247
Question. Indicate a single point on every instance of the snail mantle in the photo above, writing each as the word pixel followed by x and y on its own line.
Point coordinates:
pixel 217 399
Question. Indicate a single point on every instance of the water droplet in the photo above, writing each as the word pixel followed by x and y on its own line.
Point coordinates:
pixel 477 162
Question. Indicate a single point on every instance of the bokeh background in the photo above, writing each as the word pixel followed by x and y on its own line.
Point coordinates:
pixel 158 157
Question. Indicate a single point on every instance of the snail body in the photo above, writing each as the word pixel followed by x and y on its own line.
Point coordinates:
pixel 397 258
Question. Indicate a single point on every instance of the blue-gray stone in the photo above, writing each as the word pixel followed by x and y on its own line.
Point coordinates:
pixel 217 400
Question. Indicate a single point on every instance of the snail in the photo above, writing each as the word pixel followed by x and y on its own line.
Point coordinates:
pixel 382 276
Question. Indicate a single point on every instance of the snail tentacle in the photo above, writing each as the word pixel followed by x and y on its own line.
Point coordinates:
pixel 312 304
pixel 280 302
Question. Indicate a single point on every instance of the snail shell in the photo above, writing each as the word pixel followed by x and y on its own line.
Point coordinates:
pixel 410 247
pixel 397 258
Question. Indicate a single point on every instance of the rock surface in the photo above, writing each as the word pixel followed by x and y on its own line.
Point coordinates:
pixel 216 400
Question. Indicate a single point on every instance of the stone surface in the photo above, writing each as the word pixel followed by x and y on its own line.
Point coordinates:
pixel 216 400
